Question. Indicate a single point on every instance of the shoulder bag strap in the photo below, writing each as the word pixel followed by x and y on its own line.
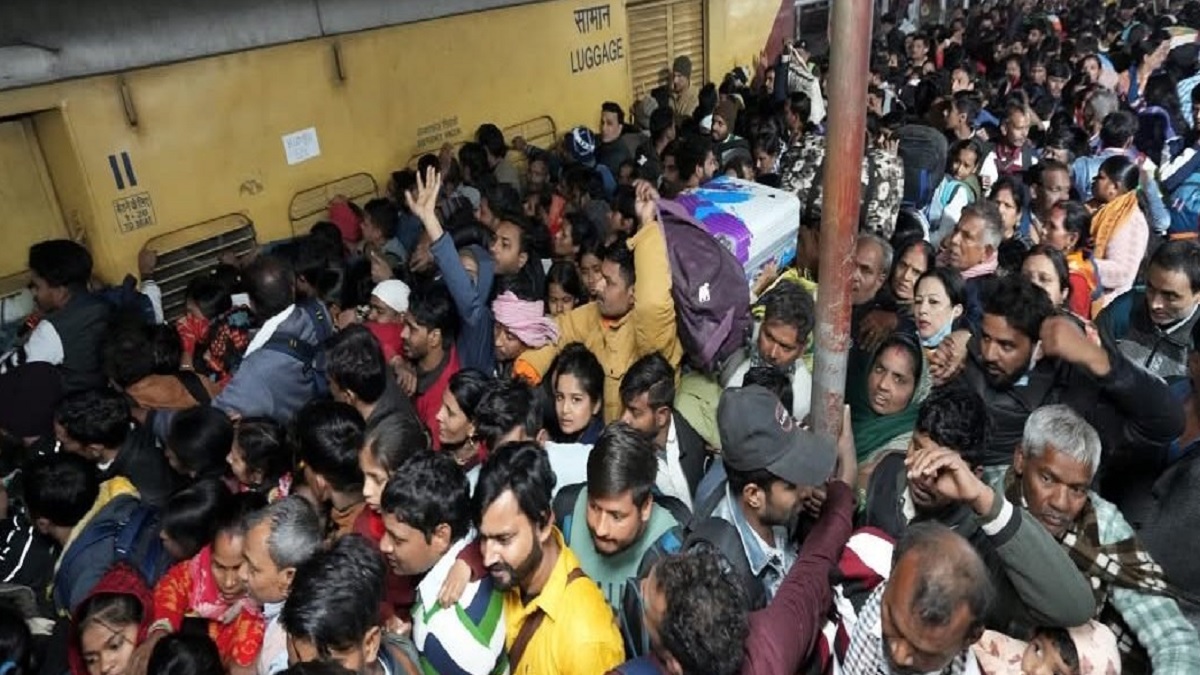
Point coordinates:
pixel 531 625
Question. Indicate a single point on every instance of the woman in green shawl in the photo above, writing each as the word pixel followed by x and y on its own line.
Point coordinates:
pixel 884 402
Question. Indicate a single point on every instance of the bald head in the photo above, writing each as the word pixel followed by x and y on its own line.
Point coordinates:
pixel 936 599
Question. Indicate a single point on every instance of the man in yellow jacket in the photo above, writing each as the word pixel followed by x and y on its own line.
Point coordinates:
pixel 633 314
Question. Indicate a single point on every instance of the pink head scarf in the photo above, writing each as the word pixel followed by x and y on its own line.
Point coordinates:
pixel 525 319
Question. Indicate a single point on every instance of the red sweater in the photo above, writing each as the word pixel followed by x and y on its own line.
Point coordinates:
pixel 428 399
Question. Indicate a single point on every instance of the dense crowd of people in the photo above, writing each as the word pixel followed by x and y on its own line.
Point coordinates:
pixel 462 428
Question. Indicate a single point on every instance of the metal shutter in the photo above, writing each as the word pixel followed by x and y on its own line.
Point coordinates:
pixel 659 31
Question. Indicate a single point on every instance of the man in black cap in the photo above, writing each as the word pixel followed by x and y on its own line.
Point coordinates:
pixel 684 98
pixel 768 458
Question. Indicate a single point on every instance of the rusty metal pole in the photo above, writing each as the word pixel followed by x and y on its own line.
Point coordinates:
pixel 849 60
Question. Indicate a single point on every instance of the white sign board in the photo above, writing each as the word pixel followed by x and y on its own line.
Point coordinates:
pixel 301 145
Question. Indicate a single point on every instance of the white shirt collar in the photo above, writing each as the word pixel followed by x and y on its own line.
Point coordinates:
pixel 431 585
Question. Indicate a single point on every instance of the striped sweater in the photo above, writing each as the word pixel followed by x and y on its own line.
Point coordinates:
pixel 466 638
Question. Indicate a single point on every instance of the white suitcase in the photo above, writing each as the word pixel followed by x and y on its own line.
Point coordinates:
pixel 756 223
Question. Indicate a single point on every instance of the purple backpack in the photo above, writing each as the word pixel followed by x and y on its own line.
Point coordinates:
pixel 708 285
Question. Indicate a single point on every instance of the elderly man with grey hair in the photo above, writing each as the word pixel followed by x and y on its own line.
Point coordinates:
pixel 1052 475
pixel 279 538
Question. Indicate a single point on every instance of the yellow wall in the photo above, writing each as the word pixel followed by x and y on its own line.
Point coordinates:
pixel 737 31
pixel 208 140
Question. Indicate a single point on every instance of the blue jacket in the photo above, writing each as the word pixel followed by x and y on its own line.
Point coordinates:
pixel 473 301
pixel 272 383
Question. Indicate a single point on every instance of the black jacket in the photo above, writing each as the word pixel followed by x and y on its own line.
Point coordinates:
pixel 1131 409
pixel 693 452
pixel 142 461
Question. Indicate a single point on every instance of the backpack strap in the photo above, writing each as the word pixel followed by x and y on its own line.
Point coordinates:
pixel 191 381
pixel 294 346
pixel 564 508
pixel 532 623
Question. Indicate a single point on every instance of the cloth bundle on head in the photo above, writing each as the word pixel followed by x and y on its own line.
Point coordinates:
pixel 682 66
pixel 394 293
pixel 643 112
pixel 29 395
pixel 525 319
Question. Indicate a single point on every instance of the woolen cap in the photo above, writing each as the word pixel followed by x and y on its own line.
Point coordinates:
pixel 682 66
pixel 758 433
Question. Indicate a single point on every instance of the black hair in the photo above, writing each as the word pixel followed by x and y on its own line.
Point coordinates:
pixel 800 105
pixel 61 263
pixel 472 157
pixel 955 417
pixel 902 246
pixel 738 480
pixel 427 490
pixel 1015 187
pixel 468 387
pixel 971 144
pixel 952 281
pixel 1020 303
pixel 662 120
pixel 112 609
pixel 263 442
pixel 622 460
pixel 523 468
pixel 614 108
pixel 191 516
pixel 210 296
pixel 492 139
pixel 335 596
pixel 61 488
pixel 354 362
pixel 566 275
pixel 128 352
pixel 692 153
pixel 502 198
pixel 383 215
pixel 509 404
pixel 791 305
pixel 1062 640
pixel 396 438
pixel 618 252
pixel 16 641
pixel 166 349
pixel 431 307
pixel 1180 255
pixel 773 380
pixel 1118 129
pixel 624 201
pixel 582 227
pixel 185 654
pixel 201 438
pixel 705 623
pixel 95 416
pixel 651 375
pixel 1122 171
pixel 328 437
pixel 1077 219
pixel 768 140
pixel 1057 260
pixel 577 360
pixel 271 285
pixel 317 668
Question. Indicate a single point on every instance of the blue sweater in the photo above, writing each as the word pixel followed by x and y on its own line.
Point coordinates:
pixel 473 301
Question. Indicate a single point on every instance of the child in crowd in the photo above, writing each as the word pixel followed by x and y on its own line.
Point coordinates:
pixel 958 188
pixel 564 288
pixel 259 458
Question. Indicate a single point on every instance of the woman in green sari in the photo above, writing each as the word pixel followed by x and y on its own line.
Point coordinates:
pixel 884 402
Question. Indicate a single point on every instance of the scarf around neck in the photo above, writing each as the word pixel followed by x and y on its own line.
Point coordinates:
pixel 1121 564
pixel 872 431
pixel 205 599
pixel 1110 217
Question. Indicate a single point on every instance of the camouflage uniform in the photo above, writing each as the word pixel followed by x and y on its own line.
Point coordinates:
pixel 800 171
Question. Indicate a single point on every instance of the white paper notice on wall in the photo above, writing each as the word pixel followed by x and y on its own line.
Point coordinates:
pixel 301 145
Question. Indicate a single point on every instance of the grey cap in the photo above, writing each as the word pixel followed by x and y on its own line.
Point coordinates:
pixel 758 433
pixel 682 66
